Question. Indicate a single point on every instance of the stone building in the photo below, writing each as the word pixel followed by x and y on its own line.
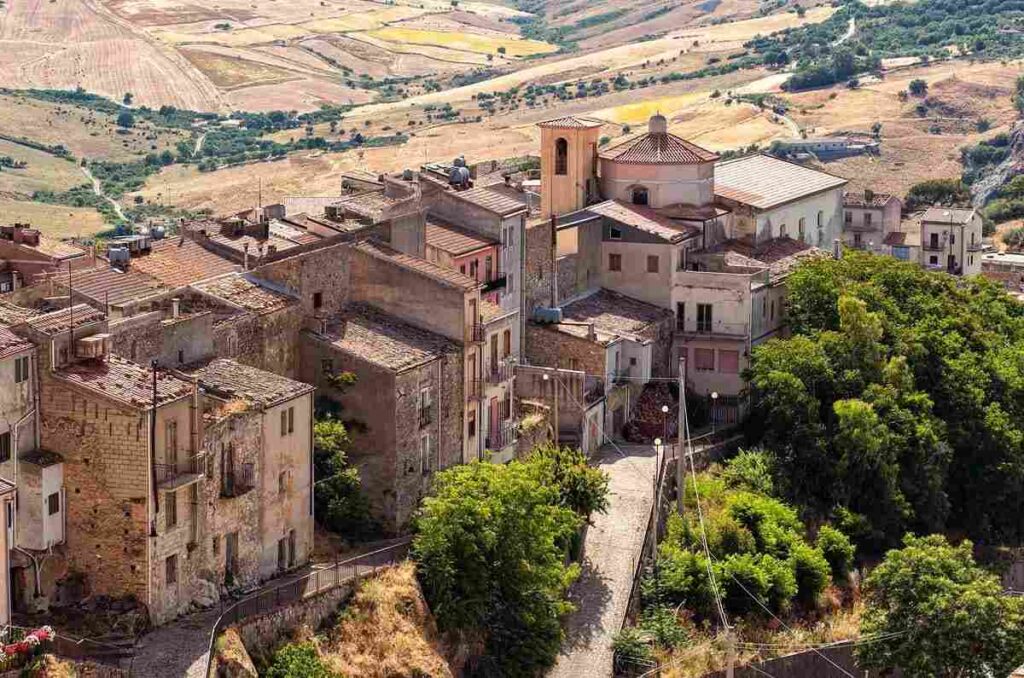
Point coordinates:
pixel 709 242
pixel 258 499
pixel 951 240
pixel 26 255
pixel 869 218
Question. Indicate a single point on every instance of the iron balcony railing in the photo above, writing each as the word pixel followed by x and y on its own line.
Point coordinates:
pixel 237 481
pixel 712 328
pixel 496 284
pixel 478 333
pixel 499 373
pixel 168 473
pixel 501 437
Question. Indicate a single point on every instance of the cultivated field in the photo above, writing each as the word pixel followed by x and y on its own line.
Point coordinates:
pixel 58 221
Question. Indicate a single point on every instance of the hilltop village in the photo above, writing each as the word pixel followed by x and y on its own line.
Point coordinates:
pixel 159 394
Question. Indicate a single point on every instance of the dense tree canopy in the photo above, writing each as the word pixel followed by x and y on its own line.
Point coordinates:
pixel 898 404
pixel 491 547
pixel 936 614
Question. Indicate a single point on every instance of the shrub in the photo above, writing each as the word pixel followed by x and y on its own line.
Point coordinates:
pixel 751 470
pixel 918 87
pixel 775 525
pixel 812 572
pixel 298 660
pixel 744 583
pixel 631 650
pixel 783 584
pixel 682 579
pixel 838 551
pixel 664 627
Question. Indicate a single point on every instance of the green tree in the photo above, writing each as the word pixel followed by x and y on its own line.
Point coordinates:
pixel 491 544
pixel 125 119
pixel 338 500
pixel 297 660
pixel 918 87
pixel 938 614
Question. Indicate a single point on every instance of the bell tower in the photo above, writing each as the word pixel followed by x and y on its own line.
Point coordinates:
pixel 568 164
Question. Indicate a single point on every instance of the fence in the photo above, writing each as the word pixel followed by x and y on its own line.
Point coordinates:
pixel 305 587
pixel 105 660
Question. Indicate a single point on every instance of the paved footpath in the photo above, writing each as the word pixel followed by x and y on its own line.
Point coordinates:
pixel 610 553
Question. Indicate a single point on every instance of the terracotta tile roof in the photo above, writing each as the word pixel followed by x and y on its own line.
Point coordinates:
pixel 780 255
pixel 14 315
pixel 124 381
pixel 658 148
pixel 490 311
pixel 431 270
pixel 57 322
pixel 242 291
pixel 103 284
pixel 11 343
pixel 55 249
pixel 571 122
pixel 764 182
pixel 491 201
pixel 227 378
pixel 945 215
pixel 239 242
pixel 861 199
pixel 293 231
pixel 644 219
pixel 613 315
pixel 373 205
pixel 895 238
pixel 384 340
pixel 454 240
pixel 177 262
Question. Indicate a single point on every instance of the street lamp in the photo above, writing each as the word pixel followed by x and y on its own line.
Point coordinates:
pixel 664 422
pixel 714 410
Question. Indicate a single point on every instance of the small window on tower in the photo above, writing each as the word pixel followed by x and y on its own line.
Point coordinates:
pixel 561 157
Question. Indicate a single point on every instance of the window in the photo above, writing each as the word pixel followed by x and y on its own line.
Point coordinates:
pixel 215 542
pixel 952 238
pixel 802 227
pixel 771 315
pixel 171 569
pixel 821 219
pixel 614 233
pixel 640 196
pixel 318 299
pixel 847 217
pixel 20 369
pixel 462 269
pixel 282 553
pixel 933 241
pixel 506 344
pixel 474 268
pixel 488 268
pixel 181 356
pixel 291 548
pixel 729 362
pixel 857 241
pixel 614 262
pixel 472 423
pixel 53 504
pixel 782 231
pixel 704 317
pixel 561 157
pixel 425 453
pixel 867 218
pixel 171 442
pixel 704 359
pixel 652 263
pixel 282 482
pixel 171 507
pixel 426 400
pixel 291 420
pixel 933 260
pixel 5 446
pixel 680 315
pixel 287 421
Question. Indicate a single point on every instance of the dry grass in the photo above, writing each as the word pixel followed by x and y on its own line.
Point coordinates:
pixel 232 72
pixel 386 631
pixel 44 171
pixel 469 42
pixel 58 221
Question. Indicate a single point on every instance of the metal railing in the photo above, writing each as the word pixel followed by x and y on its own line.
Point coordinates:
pixel 499 373
pixel 496 284
pixel 502 437
pixel 477 333
pixel 307 586
pixel 237 481
pixel 712 328
pixel 166 473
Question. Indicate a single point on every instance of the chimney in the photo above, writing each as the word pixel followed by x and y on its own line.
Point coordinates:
pixel 175 307
pixel 869 195
pixel 245 256
pixel 837 249
pixel 592 332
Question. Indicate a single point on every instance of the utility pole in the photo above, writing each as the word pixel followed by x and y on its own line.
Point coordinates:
pixel 682 435
pixel 557 388
pixel 730 653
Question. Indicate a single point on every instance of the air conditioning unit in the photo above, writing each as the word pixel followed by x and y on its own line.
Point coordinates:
pixel 97 346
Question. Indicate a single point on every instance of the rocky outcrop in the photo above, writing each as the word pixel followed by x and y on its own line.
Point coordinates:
pixel 983 189
pixel 233 660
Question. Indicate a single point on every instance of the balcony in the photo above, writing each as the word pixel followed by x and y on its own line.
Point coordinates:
pixel 499 373
pixel 502 437
pixel 237 481
pixel 494 285
pixel 180 473
pixel 477 333
pixel 693 329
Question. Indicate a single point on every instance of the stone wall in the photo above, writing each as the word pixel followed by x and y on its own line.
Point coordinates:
pixel 324 271
pixel 547 347
pixel 538 266
pixel 106 476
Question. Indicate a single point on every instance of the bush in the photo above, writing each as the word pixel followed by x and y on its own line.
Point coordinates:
pixel 682 579
pixel 632 651
pixel 918 87
pixel 298 660
pixel 812 573
pixel 744 582
pixel 775 525
pixel 838 551
pixel 783 584
pixel 663 626
pixel 751 470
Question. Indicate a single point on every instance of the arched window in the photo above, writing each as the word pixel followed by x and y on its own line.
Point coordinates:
pixel 640 196
pixel 561 156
